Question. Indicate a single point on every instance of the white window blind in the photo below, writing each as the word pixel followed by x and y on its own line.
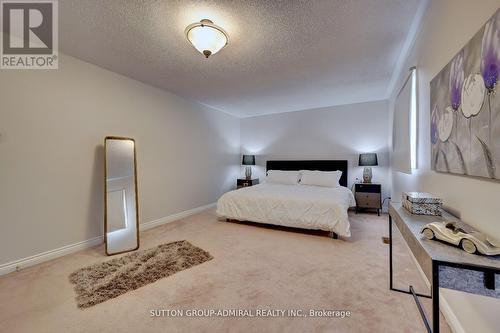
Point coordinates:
pixel 404 126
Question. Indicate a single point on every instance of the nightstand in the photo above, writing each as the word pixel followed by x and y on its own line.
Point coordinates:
pixel 368 196
pixel 243 182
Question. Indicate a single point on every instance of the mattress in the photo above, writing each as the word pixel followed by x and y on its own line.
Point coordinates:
pixel 298 206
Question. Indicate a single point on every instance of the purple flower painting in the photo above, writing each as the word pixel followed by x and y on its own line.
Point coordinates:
pixel 434 125
pixel 490 52
pixel 490 66
pixel 456 80
pixel 465 107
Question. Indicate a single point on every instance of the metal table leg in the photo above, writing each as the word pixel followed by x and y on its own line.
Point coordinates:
pixel 390 252
pixel 435 290
pixel 435 297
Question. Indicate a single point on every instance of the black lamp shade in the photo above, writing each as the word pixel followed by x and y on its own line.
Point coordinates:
pixel 248 160
pixel 368 159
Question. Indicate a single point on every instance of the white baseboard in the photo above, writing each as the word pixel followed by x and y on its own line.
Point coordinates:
pixel 174 217
pixel 445 308
pixel 450 316
pixel 72 248
pixel 49 255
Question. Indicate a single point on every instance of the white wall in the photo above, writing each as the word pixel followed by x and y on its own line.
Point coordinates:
pixel 446 28
pixel 475 200
pixel 52 127
pixel 340 132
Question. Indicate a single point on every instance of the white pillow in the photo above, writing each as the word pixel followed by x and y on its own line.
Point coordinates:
pixel 283 177
pixel 321 178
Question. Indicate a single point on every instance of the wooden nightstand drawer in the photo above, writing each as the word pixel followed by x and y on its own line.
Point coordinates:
pixel 370 188
pixel 246 182
pixel 368 196
pixel 368 200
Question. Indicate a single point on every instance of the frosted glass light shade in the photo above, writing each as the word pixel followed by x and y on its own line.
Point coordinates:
pixel 206 37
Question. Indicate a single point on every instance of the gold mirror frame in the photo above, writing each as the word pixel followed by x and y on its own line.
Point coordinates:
pixel 106 196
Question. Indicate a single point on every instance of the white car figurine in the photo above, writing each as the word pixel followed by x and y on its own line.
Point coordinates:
pixel 470 242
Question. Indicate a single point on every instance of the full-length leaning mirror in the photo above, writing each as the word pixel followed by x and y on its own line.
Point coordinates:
pixel 121 215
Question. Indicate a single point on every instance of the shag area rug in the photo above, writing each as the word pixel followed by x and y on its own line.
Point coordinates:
pixel 100 282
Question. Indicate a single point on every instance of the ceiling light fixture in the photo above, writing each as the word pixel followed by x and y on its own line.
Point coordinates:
pixel 206 37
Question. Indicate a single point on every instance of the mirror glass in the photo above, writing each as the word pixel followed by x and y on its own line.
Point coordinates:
pixel 121 217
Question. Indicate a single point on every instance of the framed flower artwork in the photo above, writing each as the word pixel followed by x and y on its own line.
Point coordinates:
pixel 465 108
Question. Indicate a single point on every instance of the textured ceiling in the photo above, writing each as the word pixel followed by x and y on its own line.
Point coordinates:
pixel 282 55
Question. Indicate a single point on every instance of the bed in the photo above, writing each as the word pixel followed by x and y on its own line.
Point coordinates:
pixel 297 206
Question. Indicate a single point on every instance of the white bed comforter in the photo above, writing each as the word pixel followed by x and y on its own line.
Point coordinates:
pixel 299 206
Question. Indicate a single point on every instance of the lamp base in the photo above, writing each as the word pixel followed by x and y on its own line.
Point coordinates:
pixel 367 175
pixel 248 172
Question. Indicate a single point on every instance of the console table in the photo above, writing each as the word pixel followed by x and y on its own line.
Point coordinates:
pixel 458 270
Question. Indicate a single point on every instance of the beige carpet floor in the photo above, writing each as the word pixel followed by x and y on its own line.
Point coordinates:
pixel 253 268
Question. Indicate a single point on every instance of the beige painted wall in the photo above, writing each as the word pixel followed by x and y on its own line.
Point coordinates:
pixel 339 132
pixel 446 28
pixel 52 127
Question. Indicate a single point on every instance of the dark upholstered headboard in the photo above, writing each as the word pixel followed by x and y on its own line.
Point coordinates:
pixel 321 165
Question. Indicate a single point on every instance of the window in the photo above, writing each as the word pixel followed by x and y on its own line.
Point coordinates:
pixel 413 119
pixel 404 137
